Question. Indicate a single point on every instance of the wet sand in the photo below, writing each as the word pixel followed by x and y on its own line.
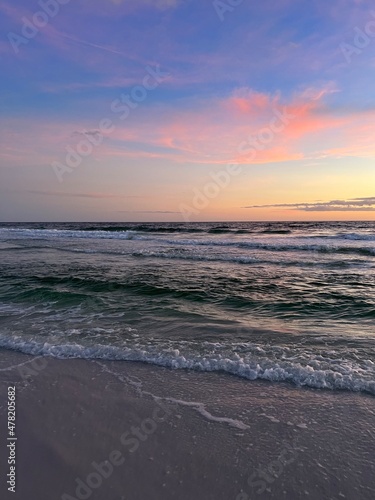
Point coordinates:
pixel 120 430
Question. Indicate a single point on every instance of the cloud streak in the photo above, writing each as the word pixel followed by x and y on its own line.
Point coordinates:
pixel 147 212
pixel 351 205
pixel 79 195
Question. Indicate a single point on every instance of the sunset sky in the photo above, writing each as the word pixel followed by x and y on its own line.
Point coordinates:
pixel 172 110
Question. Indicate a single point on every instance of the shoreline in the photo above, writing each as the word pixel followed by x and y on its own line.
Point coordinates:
pixel 114 429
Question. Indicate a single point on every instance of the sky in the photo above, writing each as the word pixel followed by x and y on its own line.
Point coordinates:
pixel 187 110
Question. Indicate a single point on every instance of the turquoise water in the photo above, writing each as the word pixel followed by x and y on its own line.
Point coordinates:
pixel 275 301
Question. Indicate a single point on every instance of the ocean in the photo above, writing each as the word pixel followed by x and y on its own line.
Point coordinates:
pixel 280 301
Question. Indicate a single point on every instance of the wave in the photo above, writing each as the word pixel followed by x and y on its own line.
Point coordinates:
pixel 154 228
pixel 179 254
pixel 356 236
pixel 321 370
pixel 147 229
pixel 342 236
pixel 276 231
pixel 286 247
pixel 291 245
pixel 67 233
pixel 159 230
pixel 241 259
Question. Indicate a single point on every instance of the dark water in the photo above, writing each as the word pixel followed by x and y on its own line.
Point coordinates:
pixel 276 301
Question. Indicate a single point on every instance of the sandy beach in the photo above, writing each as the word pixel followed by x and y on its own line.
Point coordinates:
pixel 120 430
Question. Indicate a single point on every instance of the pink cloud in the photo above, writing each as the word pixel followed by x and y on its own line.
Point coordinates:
pixel 208 132
pixel 213 130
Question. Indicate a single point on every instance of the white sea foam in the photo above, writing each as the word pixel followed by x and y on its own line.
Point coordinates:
pixel 195 405
pixel 277 364
pixel 201 408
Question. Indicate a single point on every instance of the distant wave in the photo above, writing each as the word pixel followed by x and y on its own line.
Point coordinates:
pixel 158 230
pixel 67 233
pixel 343 236
pixel 185 255
pixel 356 236
pixel 241 259
pixel 276 231
pixel 321 370
pixel 277 247
pixel 165 228
pixel 288 245
pixel 235 259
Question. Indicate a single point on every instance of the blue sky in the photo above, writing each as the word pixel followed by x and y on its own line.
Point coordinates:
pixel 223 77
